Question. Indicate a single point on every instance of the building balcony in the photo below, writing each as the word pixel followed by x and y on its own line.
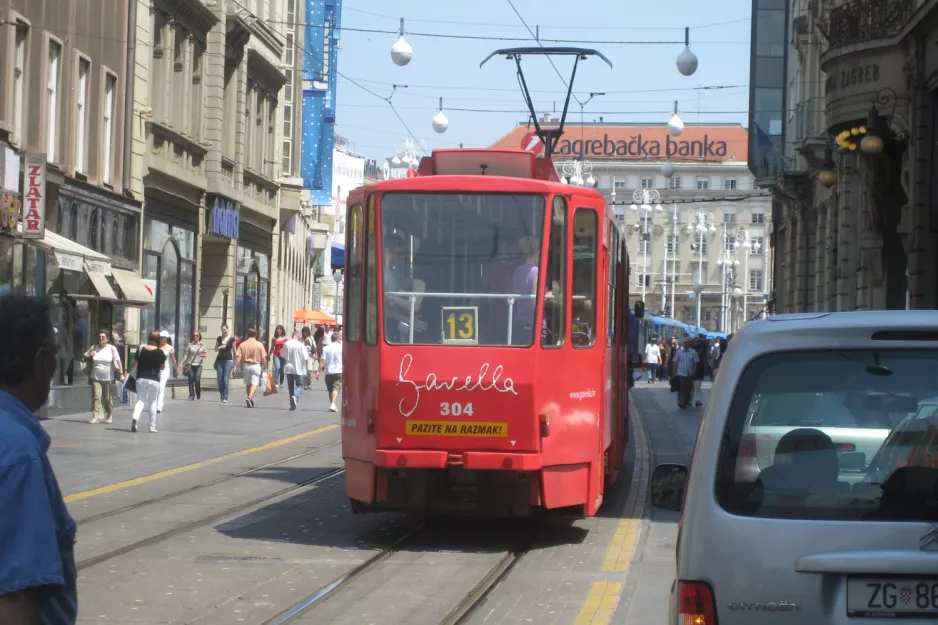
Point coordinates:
pixel 863 21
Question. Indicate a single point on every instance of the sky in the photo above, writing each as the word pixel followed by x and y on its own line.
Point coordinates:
pixel 641 87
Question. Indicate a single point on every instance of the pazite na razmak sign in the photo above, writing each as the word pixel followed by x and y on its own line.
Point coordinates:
pixel 34 197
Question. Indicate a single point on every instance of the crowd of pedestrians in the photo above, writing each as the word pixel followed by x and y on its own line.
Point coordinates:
pixel 685 363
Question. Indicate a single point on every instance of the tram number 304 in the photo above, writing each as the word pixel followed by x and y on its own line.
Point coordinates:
pixel 455 409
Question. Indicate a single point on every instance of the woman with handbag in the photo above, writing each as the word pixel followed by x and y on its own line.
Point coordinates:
pixel 105 361
pixel 192 365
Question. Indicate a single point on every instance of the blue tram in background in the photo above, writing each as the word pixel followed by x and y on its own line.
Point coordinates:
pixel 650 324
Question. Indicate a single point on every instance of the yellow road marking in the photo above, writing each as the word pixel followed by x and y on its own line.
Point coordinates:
pixel 600 604
pixel 104 490
pixel 622 548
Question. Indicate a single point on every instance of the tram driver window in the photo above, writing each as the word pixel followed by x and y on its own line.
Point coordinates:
pixel 552 329
pixel 583 300
pixel 471 262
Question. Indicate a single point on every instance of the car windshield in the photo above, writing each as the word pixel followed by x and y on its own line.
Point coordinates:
pixel 848 435
pixel 461 269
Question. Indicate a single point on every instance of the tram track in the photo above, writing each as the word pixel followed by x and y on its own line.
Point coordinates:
pixel 216 516
pixel 459 614
pixel 186 491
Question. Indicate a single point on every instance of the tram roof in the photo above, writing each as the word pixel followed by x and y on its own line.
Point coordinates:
pixel 481 184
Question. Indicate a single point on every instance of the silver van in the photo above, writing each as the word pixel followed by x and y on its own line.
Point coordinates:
pixel 812 496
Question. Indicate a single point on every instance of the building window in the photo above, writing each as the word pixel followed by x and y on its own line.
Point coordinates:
pixel 673 243
pixel 648 183
pixel 758 218
pixel 157 76
pixel 674 182
pixel 196 105
pixel 702 245
pixel 703 183
pixel 107 138
pixel 729 184
pixel 178 87
pixel 19 83
pixel 291 12
pixel 52 100
pixel 755 280
pixel 270 146
pixel 619 184
pixel 81 114
pixel 729 243
pixel 729 218
pixel 758 245
pixel 231 111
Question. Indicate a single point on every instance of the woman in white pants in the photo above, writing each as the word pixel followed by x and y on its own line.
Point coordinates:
pixel 169 365
pixel 151 361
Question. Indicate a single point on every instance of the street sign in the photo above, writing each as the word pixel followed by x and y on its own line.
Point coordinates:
pixel 532 143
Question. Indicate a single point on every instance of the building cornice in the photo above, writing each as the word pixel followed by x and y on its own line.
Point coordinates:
pixel 265 72
pixel 192 14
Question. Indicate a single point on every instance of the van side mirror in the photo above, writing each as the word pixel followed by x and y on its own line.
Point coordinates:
pixel 668 482
pixel 639 310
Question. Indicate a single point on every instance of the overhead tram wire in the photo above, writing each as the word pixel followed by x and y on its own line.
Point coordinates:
pixel 345 7
pixel 549 60
pixel 390 104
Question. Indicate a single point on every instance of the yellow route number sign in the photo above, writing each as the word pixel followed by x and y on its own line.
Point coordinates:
pixel 457 428
pixel 460 324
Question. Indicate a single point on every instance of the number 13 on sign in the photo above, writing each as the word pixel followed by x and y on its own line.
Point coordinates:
pixel 459 324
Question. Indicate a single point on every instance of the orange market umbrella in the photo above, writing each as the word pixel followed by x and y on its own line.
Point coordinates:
pixel 314 316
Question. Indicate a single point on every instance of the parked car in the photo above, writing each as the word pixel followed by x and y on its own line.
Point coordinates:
pixel 812 496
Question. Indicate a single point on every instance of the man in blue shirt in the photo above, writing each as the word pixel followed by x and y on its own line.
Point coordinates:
pixel 37 535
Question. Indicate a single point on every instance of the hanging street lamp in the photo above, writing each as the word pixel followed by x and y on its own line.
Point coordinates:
pixel 675 125
pixel 401 52
pixel 440 122
pixel 687 60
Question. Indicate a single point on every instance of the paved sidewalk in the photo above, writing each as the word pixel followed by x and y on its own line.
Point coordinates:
pixel 672 433
pixel 87 456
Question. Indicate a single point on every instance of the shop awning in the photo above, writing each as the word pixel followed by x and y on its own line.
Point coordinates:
pixel 135 291
pixel 338 254
pixel 70 255
pixel 101 285
pixel 314 316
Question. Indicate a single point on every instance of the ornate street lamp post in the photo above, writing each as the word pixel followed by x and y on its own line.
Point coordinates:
pixel 703 224
pixel 578 172
pixel 644 199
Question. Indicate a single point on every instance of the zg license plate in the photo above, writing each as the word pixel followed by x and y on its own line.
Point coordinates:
pixel 892 598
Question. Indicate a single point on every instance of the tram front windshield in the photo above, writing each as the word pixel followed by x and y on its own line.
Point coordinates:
pixel 461 269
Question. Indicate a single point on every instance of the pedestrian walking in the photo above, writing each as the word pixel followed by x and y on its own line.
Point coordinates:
pixel 192 365
pixel 37 535
pixel 332 367
pixel 652 358
pixel 315 354
pixel 295 357
pixel 276 354
pixel 151 362
pixel 224 361
pixel 105 367
pixel 685 367
pixel 318 337
pixel 700 346
pixel 169 366
pixel 252 354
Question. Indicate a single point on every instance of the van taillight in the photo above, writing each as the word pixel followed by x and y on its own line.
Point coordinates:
pixel 696 604
pixel 747 446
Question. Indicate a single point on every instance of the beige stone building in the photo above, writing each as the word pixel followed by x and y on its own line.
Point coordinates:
pixel 704 224
pixel 846 94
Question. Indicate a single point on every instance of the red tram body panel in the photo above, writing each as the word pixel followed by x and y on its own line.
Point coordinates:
pixel 485 346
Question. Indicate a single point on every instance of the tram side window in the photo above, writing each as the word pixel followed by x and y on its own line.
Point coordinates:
pixel 552 332
pixel 353 281
pixel 613 278
pixel 583 305
pixel 371 277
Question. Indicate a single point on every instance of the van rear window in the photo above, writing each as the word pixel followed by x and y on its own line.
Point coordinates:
pixel 845 435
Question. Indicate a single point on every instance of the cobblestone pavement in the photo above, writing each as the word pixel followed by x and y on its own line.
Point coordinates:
pixel 275 535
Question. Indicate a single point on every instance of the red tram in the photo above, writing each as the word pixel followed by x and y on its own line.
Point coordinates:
pixel 485 355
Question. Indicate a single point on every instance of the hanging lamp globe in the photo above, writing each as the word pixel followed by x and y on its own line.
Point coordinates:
pixel 668 169
pixel 687 62
pixel 401 52
pixel 440 123
pixel 675 126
